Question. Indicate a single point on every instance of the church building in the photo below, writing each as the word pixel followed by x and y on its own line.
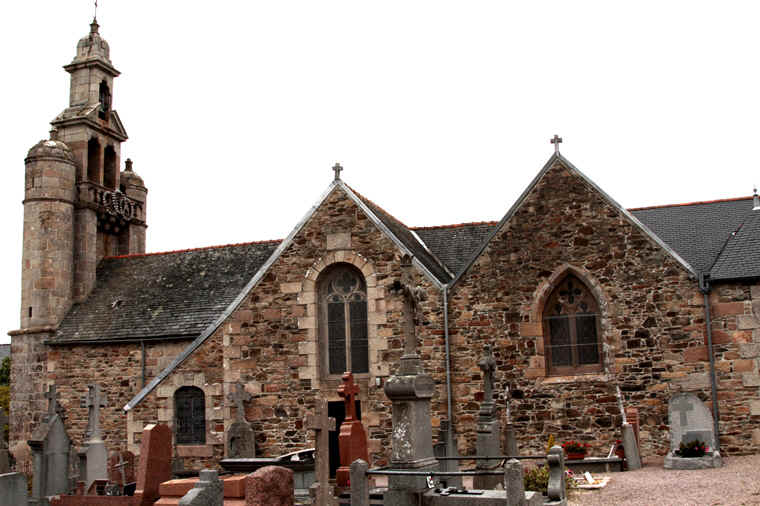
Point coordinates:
pixel 576 295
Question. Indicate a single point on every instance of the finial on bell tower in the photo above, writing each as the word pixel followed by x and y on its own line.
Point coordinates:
pixel 337 168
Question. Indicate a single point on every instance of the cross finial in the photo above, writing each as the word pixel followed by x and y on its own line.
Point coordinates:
pixel 95 15
pixel 52 398
pixel 556 140
pixel 337 168
pixel 239 396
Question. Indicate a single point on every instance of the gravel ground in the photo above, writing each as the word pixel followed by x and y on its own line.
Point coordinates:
pixel 736 483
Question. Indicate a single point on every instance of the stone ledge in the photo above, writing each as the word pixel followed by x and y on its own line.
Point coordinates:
pixel 580 378
pixel 707 462
pixel 195 450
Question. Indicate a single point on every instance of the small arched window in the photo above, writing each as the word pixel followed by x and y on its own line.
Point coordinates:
pixel 343 320
pixel 190 416
pixel 105 100
pixel 571 329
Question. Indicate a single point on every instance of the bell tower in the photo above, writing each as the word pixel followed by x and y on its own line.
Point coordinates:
pixel 109 215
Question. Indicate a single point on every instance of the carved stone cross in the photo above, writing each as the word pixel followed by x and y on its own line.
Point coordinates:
pixel 487 364
pixel 349 390
pixel 93 402
pixel 239 396
pixel 683 406
pixel 322 424
pixel 556 140
pixel 337 168
pixel 52 397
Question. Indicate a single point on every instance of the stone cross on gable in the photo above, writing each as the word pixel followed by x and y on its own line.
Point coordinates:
pixel 487 364
pixel 93 401
pixel 239 396
pixel 683 406
pixel 337 168
pixel 349 390
pixel 556 140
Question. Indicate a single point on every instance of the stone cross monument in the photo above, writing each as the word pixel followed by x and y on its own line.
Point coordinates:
pixel 97 456
pixel 352 439
pixel 322 424
pixel 410 390
pixel 489 433
pixel 241 438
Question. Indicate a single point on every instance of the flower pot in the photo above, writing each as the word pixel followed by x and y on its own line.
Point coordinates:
pixel 620 453
pixel 576 455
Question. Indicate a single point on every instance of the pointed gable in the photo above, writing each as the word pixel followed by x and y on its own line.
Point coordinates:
pixel 540 197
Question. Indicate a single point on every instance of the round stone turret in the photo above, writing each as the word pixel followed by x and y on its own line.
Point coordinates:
pixel 47 272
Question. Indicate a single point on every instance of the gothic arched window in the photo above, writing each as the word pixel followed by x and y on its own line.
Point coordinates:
pixel 190 416
pixel 571 329
pixel 343 320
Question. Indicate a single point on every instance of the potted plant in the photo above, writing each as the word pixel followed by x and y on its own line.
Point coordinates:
pixel 575 450
pixel 692 449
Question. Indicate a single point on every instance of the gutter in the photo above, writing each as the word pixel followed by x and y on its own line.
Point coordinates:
pixel 450 435
pixel 704 287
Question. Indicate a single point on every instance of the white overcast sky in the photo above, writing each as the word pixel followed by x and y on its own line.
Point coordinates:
pixel 440 111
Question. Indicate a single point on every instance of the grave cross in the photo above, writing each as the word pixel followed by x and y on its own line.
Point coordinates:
pixel 683 406
pixel 349 390
pixel 487 364
pixel 94 402
pixel 556 140
pixel 239 396
pixel 322 424
pixel 53 406
pixel 337 168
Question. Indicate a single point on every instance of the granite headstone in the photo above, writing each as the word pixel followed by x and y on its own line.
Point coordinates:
pixel 690 420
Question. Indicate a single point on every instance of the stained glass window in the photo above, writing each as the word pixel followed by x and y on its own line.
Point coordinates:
pixel 571 337
pixel 343 297
pixel 190 415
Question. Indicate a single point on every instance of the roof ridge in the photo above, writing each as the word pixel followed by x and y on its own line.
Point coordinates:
pixel 202 248
pixel 377 206
pixel 716 201
pixel 455 225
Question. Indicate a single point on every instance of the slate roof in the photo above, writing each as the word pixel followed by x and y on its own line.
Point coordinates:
pixel 454 245
pixel 405 235
pixel 699 232
pixel 740 257
pixel 163 295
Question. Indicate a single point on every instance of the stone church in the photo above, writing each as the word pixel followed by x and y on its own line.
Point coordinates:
pixel 577 296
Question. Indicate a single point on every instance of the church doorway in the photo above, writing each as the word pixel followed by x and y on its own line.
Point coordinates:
pixel 337 410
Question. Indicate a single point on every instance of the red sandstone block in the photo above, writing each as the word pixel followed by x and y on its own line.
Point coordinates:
pixel 530 329
pixel 728 308
pixel 719 337
pixel 177 488
pixel 744 365
pixel 234 487
pixel 695 354
pixel 272 314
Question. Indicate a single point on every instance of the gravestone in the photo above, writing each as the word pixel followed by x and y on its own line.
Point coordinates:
pixel 155 463
pixel 410 390
pixel 352 439
pixel 270 485
pixel 121 467
pixel 97 456
pixel 488 430
pixel 322 424
pixel 50 448
pixel 13 489
pixel 208 491
pixel 241 439
pixel 690 420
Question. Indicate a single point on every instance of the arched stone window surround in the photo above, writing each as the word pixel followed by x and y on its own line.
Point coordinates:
pixel 190 403
pixel 165 397
pixel 308 296
pixel 541 296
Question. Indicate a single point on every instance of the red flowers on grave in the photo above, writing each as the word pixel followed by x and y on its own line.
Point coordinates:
pixel 692 449
pixel 575 449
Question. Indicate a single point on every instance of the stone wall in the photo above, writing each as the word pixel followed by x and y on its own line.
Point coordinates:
pixel 651 311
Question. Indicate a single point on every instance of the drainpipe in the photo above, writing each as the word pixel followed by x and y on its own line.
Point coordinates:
pixel 142 348
pixel 450 435
pixel 704 286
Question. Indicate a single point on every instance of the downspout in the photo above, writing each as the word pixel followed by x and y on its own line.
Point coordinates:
pixel 142 349
pixel 704 286
pixel 450 435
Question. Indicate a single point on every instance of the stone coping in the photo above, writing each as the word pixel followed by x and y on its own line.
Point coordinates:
pixel 709 461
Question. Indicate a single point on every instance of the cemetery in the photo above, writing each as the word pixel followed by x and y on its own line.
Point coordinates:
pixel 419 471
